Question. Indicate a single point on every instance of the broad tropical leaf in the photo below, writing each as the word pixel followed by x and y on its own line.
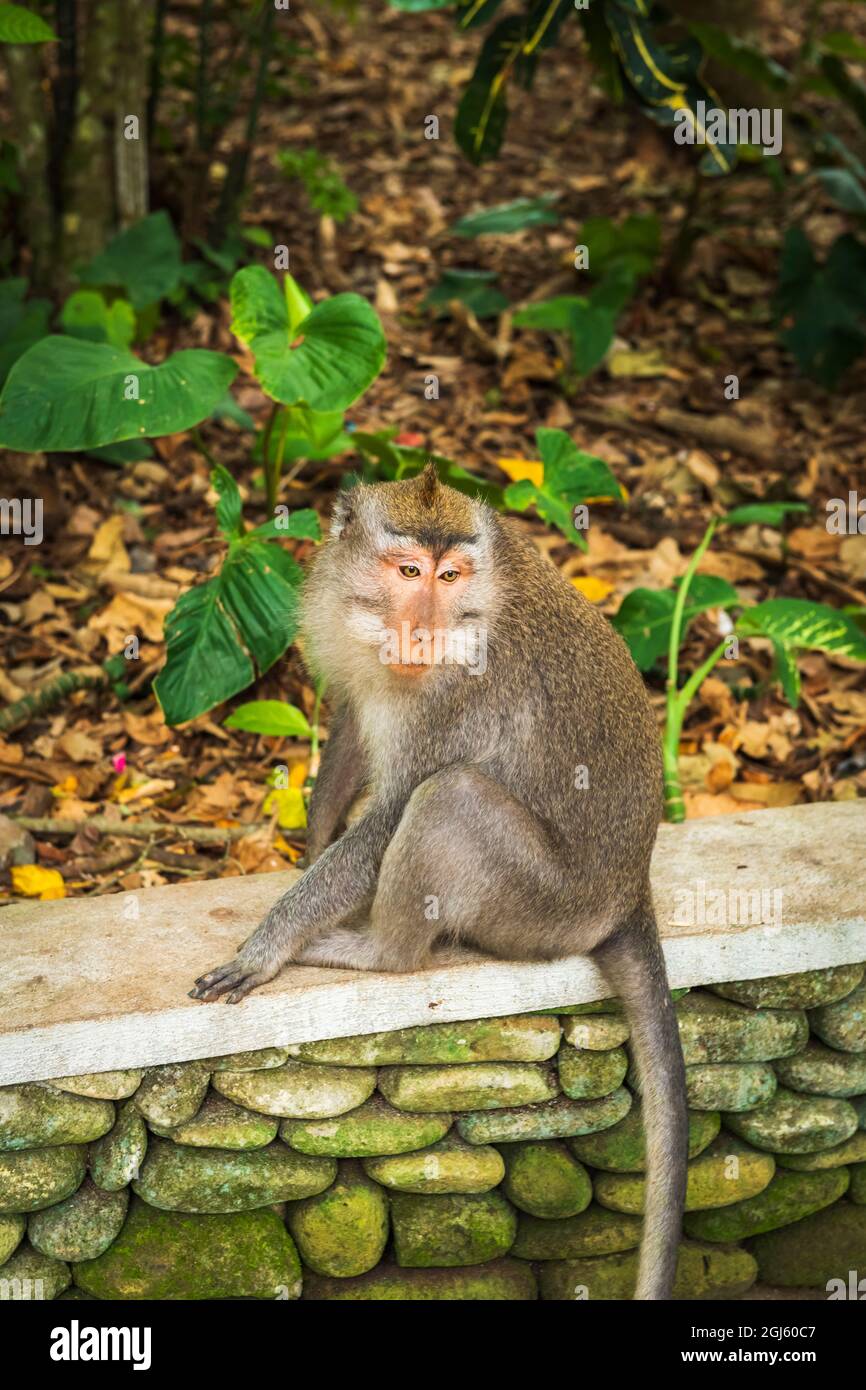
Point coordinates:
pixel 645 616
pixel 571 477
pixel 22 323
pixel 272 717
pixel 795 624
pixel 18 25
pixel 144 260
pixel 325 360
pixel 86 315
pixel 69 394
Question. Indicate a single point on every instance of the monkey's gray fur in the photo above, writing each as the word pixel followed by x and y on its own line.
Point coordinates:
pixel 478 802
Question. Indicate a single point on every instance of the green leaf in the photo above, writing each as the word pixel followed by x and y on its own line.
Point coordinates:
pixel 69 394
pixel 633 244
pixel 394 461
pixel 795 624
pixel 326 361
pixel 223 633
pixel 18 25
pixel 309 434
pixel 144 260
pixel 845 190
pixel 22 323
pixel 474 288
pixel 507 217
pixel 741 56
pixel 299 525
pixel 822 306
pixel 764 513
pixel 645 616
pixel 228 507
pixel 844 45
pixel 269 717
pixel 590 326
pixel 129 451
pixel 86 315
pixel 570 477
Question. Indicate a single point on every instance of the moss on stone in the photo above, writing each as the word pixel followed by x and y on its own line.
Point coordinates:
pixel 793 1123
pixel 595 1231
pixel 451 1165
pixel 173 1255
pixel 585 1075
pixel 851 1150
pixel 443 1231
pixel 544 1179
pixel 496 1281
pixel 35 1178
pixel 101 1085
pixel 857 1190
pixel 788 1197
pixel 597 1032
pixel 727 1171
pixel 804 990
pixel 12 1228
pixel 30 1276
pixel 522 1038
pixel 828 1245
pixel 299 1090
pixel 622 1147
pixel 220 1124
pixel 172 1094
pixel 730 1085
pixel 116 1159
pixel 257 1059
pixel 842 1024
pixel 34 1116
pixel 554 1119
pixel 703 1271
pixel 823 1071
pixel 716 1030
pixel 476 1086
pixel 177 1178
pixel 81 1226
pixel 342 1232
pixel 373 1129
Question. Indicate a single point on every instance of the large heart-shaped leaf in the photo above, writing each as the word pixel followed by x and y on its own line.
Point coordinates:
pixel 325 360
pixel 795 624
pixel 22 323
pixel 144 260
pixel 67 393
pixel 645 615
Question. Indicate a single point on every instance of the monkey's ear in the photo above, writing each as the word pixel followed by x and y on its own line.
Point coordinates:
pixel 342 513
pixel 428 482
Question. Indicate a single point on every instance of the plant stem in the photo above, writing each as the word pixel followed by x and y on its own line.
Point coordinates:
pixel 675 703
pixel 274 468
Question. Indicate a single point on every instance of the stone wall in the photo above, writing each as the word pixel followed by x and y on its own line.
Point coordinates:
pixel 492 1159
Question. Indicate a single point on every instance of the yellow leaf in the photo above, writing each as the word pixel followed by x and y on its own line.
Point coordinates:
pixel 593 589
pixel 292 854
pixel 290 807
pixel 66 787
pixel 518 469
pixel 298 775
pixel 31 881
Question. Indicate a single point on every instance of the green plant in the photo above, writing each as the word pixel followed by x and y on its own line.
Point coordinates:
pixel 568 479
pixel 654 621
pixel 18 25
pixel 227 631
pixel 322 180
pixel 313 362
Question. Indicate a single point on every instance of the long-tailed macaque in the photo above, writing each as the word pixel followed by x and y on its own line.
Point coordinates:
pixel 512 757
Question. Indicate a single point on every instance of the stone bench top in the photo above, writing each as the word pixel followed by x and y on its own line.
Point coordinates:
pixel 97 984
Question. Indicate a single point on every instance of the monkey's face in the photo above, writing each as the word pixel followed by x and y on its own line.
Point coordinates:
pixel 414 563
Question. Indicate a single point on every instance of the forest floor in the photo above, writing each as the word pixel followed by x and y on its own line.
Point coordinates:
pixel 121 545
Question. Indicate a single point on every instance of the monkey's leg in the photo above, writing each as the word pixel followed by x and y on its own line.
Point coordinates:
pixel 467 861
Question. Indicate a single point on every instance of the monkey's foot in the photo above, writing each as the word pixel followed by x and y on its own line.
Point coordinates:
pixel 235 976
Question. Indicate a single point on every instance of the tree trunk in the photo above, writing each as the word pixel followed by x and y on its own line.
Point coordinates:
pixel 88 204
pixel 27 101
pixel 134 33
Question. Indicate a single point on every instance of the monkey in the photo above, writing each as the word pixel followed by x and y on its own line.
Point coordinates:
pixel 512 760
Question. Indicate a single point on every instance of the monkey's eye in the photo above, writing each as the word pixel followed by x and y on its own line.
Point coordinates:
pixel 449 576
pixel 409 571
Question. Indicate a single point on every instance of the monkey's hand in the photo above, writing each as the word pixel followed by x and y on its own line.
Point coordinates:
pixel 251 967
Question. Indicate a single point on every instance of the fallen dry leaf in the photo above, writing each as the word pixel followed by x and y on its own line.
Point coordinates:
pixel 32 881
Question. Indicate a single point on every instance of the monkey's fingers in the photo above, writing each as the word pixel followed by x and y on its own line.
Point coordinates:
pixel 218 981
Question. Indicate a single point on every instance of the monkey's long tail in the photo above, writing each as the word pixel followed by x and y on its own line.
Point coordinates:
pixel 633 964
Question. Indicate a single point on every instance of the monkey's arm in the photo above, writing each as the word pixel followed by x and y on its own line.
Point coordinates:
pixel 342 879
pixel 341 777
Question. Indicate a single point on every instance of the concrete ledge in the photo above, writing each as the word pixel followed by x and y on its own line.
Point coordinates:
pixel 100 984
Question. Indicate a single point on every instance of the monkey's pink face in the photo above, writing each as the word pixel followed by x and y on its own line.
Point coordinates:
pixel 425 600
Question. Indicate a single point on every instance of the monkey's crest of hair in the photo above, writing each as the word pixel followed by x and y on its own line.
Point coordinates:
pixel 347 607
